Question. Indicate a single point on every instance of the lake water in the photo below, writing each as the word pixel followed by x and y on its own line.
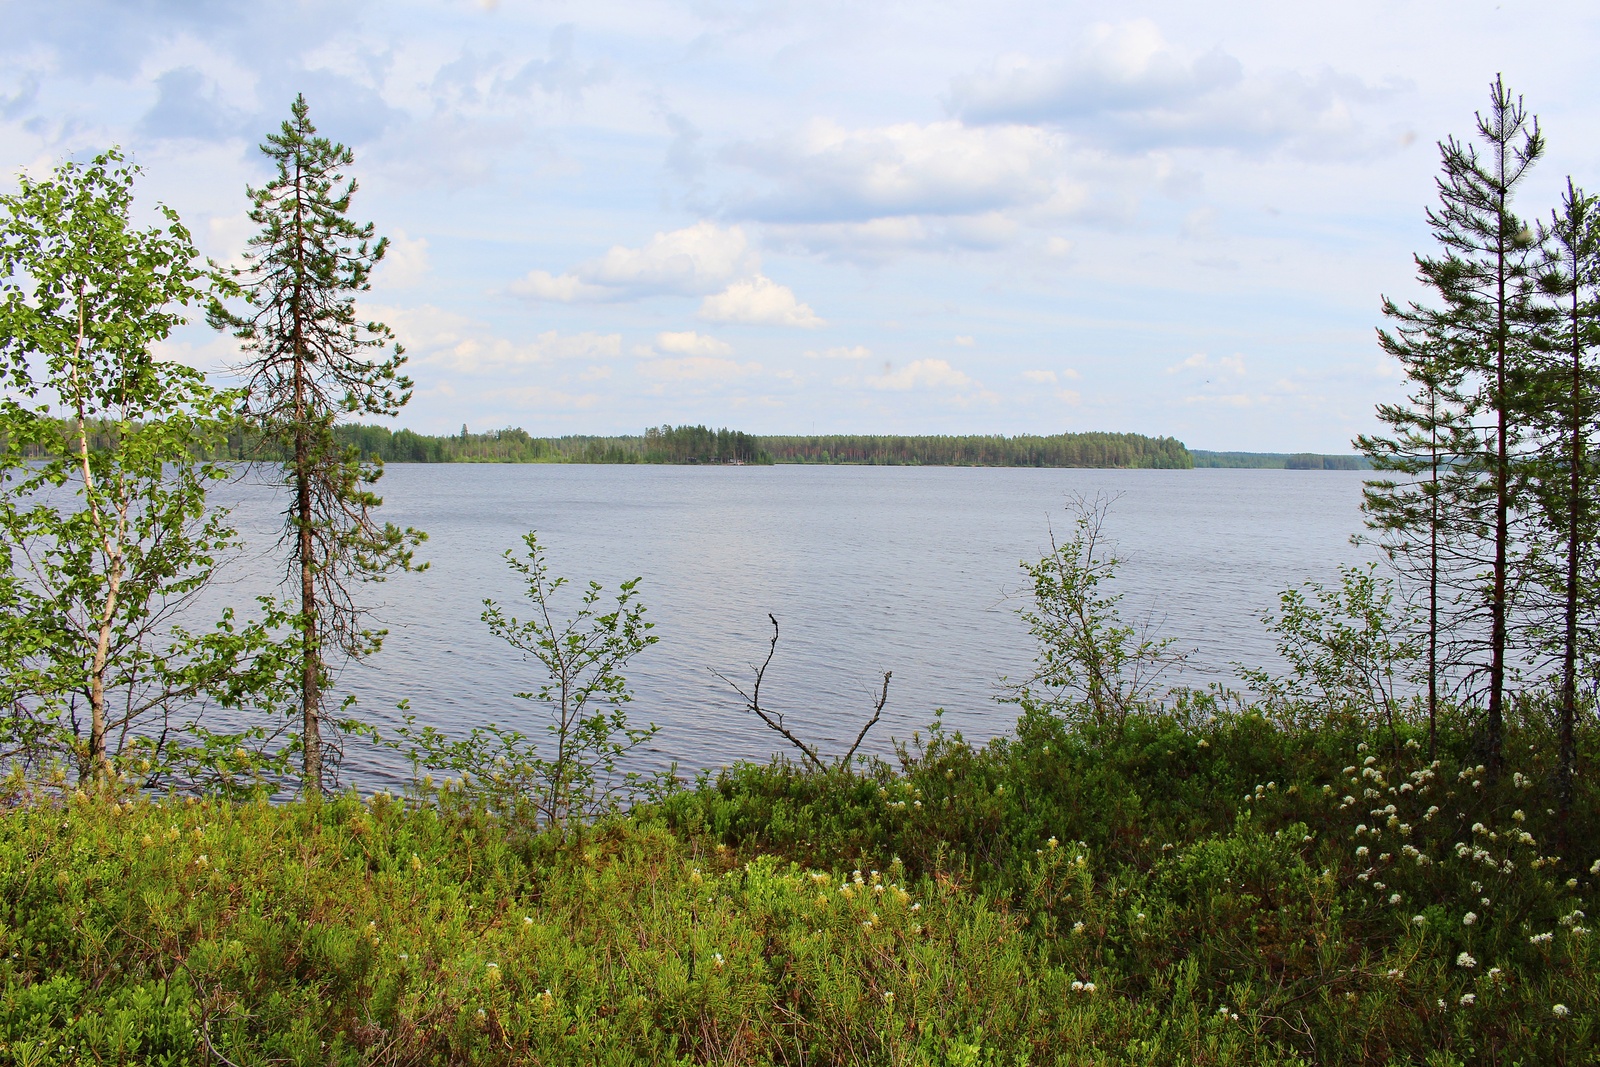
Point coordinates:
pixel 868 569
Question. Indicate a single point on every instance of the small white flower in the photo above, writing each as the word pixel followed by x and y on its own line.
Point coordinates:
pixel 1559 1011
pixel 1465 960
pixel 1419 920
pixel 1542 939
pixel 1362 851
pixel 1394 898
pixel 1077 927
pixel 1469 918
pixel 1468 999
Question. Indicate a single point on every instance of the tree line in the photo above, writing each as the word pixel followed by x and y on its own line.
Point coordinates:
pixel 1024 450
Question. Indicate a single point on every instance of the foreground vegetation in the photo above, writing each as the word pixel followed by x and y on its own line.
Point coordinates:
pixel 1232 891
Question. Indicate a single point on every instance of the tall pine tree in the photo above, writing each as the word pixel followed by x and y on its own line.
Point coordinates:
pixel 309 360
pixel 1569 405
pixel 1476 348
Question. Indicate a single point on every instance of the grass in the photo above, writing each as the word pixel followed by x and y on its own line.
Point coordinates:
pixel 1225 893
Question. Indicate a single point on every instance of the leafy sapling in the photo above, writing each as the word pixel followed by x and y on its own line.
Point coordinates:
pixel 585 697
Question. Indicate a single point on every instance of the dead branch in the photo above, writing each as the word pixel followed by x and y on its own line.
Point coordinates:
pixel 877 713
pixel 752 702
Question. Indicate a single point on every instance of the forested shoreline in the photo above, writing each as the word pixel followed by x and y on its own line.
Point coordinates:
pixel 698 444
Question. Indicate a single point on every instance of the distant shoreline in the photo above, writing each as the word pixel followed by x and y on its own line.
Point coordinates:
pixel 699 445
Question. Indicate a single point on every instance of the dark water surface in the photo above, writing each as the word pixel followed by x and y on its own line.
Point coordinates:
pixel 868 569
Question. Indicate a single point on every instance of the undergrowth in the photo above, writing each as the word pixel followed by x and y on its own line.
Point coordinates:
pixel 1227 893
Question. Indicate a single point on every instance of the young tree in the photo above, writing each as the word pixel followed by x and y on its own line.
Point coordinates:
pixel 1567 413
pixel 1479 343
pixel 306 365
pixel 585 698
pixel 106 535
pixel 1414 511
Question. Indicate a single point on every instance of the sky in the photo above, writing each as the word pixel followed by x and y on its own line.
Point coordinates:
pixel 823 217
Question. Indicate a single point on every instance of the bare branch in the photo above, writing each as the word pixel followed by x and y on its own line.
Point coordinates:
pixel 774 720
pixel 877 713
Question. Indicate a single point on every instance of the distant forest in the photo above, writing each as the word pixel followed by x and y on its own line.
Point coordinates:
pixel 698 444
pixel 1294 461
pixel 702 445
pixel 1057 450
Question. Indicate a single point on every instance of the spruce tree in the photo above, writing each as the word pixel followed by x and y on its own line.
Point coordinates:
pixel 1569 404
pixel 308 360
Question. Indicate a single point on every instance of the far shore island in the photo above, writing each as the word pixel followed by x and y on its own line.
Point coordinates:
pixel 702 445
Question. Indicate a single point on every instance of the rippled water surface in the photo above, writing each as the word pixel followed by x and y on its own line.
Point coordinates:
pixel 868 569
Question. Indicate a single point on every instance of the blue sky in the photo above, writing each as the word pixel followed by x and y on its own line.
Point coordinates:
pixel 1170 218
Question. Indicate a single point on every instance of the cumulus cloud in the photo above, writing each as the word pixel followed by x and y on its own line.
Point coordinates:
pixel 828 173
pixel 1125 84
pixel 693 261
pixel 690 343
pixel 1201 361
pixel 406 261
pixel 852 352
pixel 921 374
pixel 698 369
pixel 758 300
pixel 440 338
pixel 1042 377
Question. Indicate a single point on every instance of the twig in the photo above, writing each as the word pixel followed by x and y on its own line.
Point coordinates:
pixel 752 702
pixel 877 713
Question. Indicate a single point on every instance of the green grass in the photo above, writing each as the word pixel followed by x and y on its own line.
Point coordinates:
pixel 1166 894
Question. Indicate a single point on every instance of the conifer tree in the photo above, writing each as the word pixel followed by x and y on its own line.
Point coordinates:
pixel 1414 511
pixel 1482 336
pixel 309 360
pixel 1569 406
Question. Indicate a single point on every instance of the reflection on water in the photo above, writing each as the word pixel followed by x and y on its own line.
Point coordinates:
pixel 868 569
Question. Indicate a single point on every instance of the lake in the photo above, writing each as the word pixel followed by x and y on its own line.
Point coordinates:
pixel 868 569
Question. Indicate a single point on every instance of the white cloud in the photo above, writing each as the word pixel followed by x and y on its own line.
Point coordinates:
pixel 562 288
pixel 852 352
pixel 964 340
pixel 827 173
pixel 758 300
pixel 698 368
pixel 1200 361
pixel 436 337
pixel 692 261
pixel 921 374
pixel 690 343
pixel 1042 377
pixel 405 263
pixel 1125 84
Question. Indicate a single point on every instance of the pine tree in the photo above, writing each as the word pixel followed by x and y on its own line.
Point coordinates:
pixel 1569 407
pixel 1414 513
pixel 306 364
pixel 1476 349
